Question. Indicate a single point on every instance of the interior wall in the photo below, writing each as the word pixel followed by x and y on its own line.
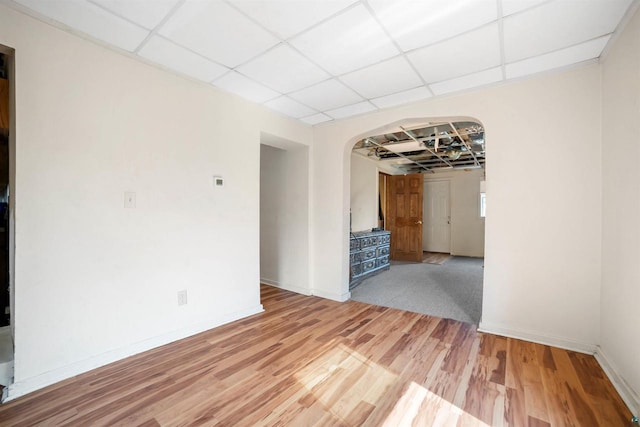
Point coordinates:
pixel 363 194
pixel 95 282
pixel 467 227
pixel 284 218
pixel 621 210
pixel 543 231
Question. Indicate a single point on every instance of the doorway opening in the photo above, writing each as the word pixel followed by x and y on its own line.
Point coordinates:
pixel 7 203
pixel 284 214
pixel 430 189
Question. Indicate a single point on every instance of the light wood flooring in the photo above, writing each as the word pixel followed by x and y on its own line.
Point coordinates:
pixel 307 361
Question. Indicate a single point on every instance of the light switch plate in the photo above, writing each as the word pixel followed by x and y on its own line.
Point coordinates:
pixel 129 199
pixel 182 297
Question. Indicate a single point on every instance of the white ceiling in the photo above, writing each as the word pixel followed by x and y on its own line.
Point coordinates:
pixel 319 60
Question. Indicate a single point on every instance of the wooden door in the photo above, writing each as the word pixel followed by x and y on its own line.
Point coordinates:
pixel 437 217
pixel 404 213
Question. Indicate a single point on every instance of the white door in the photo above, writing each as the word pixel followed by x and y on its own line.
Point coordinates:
pixel 436 233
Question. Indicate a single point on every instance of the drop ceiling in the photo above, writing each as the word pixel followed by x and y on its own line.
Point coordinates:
pixel 429 148
pixel 321 60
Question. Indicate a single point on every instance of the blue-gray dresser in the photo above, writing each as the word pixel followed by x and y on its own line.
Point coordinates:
pixel 369 254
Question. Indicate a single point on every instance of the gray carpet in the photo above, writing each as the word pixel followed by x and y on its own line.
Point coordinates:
pixel 452 290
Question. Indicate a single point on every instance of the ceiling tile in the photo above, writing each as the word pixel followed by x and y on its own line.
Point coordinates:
pixel 288 18
pixel 417 23
pixel 346 42
pixel 405 97
pixel 92 20
pixel 180 59
pixel 384 78
pixel 316 118
pixel 283 69
pixel 560 58
pixel 466 82
pixel 290 107
pixel 470 52
pixel 326 95
pixel 142 12
pixel 406 146
pixel 217 31
pixel 245 87
pixel 560 24
pixel 509 7
pixel 351 110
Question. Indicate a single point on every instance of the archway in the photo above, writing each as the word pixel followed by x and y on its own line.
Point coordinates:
pixel 443 153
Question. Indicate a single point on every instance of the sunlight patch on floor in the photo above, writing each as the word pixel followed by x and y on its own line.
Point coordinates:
pixel 342 379
pixel 419 406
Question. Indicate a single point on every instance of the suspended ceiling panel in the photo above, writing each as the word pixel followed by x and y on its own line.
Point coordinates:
pixel 320 60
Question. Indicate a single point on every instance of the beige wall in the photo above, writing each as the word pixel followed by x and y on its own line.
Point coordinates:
pixel 363 194
pixel 467 227
pixel 95 282
pixel 543 231
pixel 621 210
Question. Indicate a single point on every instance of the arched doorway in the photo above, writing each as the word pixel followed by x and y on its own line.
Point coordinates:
pixel 423 181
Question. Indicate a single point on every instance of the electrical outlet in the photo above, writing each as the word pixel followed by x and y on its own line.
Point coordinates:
pixel 182 297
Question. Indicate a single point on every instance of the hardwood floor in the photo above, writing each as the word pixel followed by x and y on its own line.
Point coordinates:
pixel 307 361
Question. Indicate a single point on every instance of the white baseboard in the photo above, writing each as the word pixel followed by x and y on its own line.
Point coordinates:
pixel 567 344
pixel 627 394
pixel 29 385
pixel 292 288
pixel 332 296
pixel 316 292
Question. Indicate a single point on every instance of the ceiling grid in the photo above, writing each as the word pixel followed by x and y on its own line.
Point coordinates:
pixel 432 147
pixel 322 60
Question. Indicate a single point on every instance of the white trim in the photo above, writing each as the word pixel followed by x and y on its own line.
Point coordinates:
pixel 29 385
pixel 628 395
pixel 330 295
pixel 559 342
pixel 292 288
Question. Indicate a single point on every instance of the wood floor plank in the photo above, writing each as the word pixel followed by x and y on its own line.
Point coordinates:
pixel 306 361
pixel 515 414
pixel 561 412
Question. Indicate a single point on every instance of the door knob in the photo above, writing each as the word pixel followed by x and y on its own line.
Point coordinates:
pixel 418 222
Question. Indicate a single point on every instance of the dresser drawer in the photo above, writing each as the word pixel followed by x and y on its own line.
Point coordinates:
pixel 368 265
pixel 382 261
pixel 382 251
pixel 355 244
pixel 356 270
pixel 367 242
pixel 367 254
pixel 384 239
